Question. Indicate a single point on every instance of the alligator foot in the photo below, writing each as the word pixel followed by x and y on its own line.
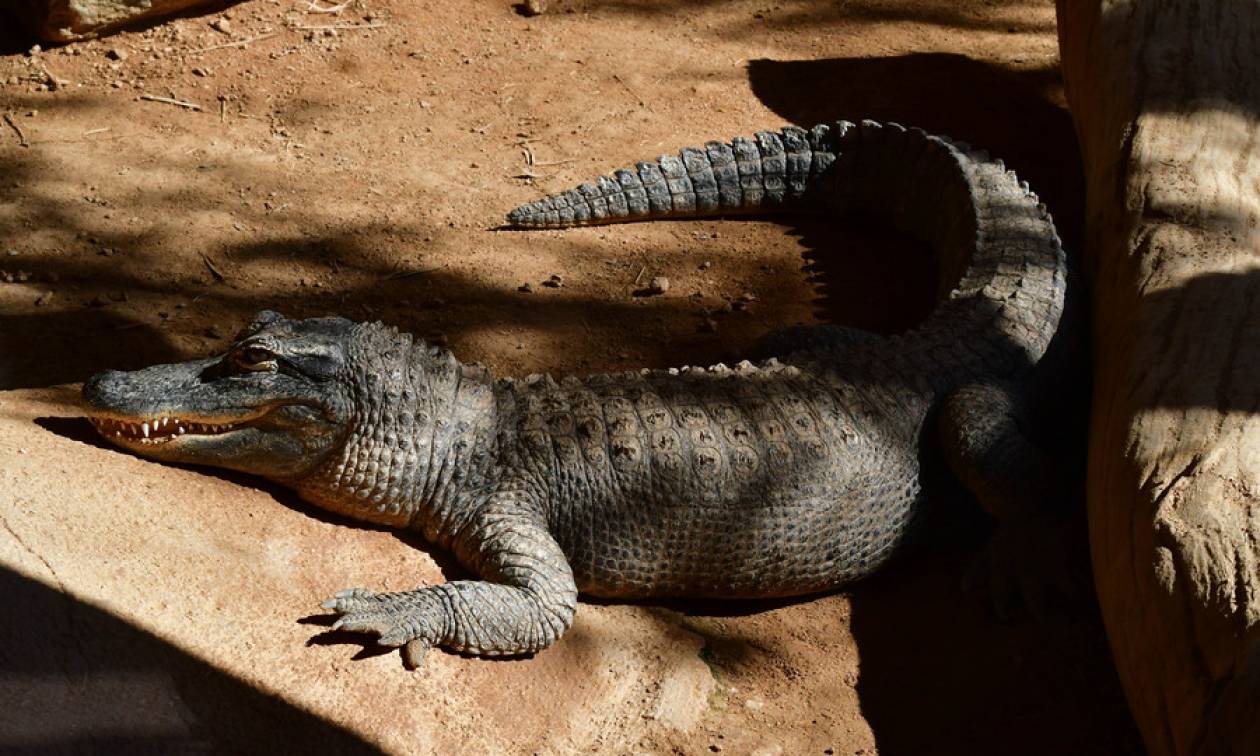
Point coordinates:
pixel 1038 561
pixel 409 619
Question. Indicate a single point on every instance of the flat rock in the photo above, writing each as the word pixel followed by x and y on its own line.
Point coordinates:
pixel 68 20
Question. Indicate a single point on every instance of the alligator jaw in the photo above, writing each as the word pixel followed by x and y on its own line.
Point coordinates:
pixel 160 429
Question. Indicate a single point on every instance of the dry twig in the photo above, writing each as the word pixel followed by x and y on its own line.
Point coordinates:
pixel 213 270
pixel 171 101
pixel 633 93
pixel 8 118
pixel 313 8
pixel 341 27
pixel 237 43
pixel 399 274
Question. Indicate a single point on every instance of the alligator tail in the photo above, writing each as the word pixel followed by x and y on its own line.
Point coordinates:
pixel 748 174
pixel 1003 270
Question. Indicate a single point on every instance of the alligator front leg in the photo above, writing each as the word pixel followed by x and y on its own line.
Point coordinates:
pixel 524 604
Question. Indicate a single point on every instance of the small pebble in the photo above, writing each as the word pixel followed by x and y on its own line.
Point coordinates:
pixel 116 53
pixel 525 288
pixel 658 285
pixel 555 282
pixel 533 7
pixel 221 25
pixel 43 299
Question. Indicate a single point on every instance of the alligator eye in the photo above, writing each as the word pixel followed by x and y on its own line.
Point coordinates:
pixel 256 358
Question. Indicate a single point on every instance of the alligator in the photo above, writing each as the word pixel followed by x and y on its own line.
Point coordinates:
pixel 789 476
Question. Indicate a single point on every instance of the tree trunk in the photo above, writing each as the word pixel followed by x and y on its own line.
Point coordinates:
pixel 1165 95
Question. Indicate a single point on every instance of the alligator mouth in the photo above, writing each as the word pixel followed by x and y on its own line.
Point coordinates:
pixel 159 430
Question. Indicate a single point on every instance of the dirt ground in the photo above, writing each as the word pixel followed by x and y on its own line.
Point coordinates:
pixel 359 162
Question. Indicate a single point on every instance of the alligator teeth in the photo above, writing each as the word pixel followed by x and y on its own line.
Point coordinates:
pixel 158 429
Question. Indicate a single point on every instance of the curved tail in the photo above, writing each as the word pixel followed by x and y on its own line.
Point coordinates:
pixel 992 235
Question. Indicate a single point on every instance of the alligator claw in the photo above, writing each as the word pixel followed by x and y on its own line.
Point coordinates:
pixel 398 619
pixel 1038 562
pixel 414 653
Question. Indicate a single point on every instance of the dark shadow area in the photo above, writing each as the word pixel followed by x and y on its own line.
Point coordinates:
pixel 867 276
pixel 129 691
pixel 940 675
pixel 794 16
pixel 14 38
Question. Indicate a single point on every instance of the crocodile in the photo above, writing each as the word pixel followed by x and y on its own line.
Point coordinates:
pixel 791 475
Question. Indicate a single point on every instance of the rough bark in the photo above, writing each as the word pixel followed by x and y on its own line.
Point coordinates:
pixel 1166 99
pixel 68 20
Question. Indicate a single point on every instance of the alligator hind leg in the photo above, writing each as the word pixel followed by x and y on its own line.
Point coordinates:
pixel 1035 552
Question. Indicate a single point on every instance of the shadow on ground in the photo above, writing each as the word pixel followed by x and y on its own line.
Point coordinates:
pixel 130 691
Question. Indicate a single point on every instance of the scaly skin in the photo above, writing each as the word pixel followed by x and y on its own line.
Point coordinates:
pixel 786 477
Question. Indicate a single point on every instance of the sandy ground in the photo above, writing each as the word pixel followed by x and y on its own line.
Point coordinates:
pixel 361 168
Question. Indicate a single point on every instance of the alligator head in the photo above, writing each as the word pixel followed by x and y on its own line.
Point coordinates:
pixel 276 403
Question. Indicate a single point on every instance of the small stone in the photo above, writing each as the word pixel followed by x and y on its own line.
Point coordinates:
pixel 116 53
pixel 525 288
pixel 35 50
pixel 201 72
pixel 11 252
pixel 555 282
pixel 706 265
pixel 105 251
pixel 532 7
pixel 221 25
pixel 426 104
pixel 753 704
pixel 43 299
pixel 747 296
pixel 658 285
